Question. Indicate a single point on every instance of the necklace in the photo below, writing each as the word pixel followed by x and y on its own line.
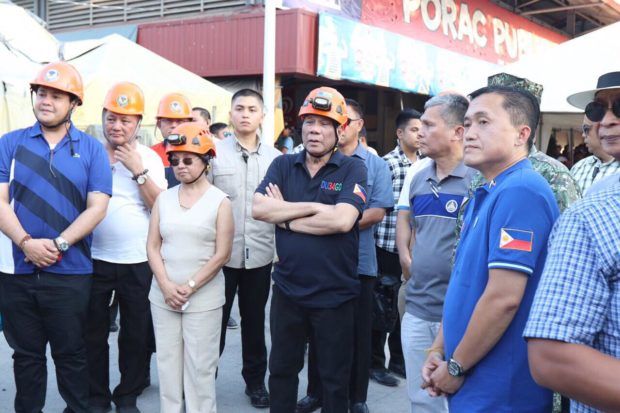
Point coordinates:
pixel 181 202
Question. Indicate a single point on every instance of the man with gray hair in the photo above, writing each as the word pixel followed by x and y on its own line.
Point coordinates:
pixel 436 193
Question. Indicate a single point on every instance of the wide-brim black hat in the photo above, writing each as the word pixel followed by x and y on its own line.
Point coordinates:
pixel 607 81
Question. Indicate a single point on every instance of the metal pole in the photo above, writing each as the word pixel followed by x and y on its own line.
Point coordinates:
pixel 269 71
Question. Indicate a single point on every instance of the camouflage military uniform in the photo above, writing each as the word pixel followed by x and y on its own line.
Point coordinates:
pixel 563 185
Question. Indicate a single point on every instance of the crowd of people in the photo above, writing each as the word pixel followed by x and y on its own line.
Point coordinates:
pixel 465 249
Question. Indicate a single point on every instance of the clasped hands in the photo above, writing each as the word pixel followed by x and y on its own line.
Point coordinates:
pixel 41 252
pixel 436 379
pixel 176 295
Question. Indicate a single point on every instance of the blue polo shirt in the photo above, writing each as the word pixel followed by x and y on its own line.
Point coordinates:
pixel 318 271
pixel 506 226
pixel 379 191
pixel 48 189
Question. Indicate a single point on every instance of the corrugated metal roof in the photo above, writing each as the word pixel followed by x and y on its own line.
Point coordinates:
pixel 232 45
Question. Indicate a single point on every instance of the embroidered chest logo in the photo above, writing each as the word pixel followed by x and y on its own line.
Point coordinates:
pixel 515 239
pixel 331 186
pixel 451 206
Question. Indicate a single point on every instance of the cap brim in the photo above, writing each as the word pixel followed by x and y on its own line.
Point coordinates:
pixel 580 100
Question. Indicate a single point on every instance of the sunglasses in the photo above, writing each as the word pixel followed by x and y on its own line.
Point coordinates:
pixel 177 162
pixel 595 111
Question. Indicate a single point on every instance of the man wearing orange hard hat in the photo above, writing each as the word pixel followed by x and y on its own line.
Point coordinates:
pixel 315 198
pixel 120 264
pixel 55 184
pixel 173 109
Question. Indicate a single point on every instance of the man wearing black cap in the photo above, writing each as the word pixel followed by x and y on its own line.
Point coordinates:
pixel 573 331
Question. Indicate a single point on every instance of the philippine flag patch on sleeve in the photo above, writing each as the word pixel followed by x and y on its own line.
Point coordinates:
pixel 516 239
pixel 360 191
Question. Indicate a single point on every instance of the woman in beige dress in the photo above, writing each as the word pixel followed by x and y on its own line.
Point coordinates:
pixel 190 239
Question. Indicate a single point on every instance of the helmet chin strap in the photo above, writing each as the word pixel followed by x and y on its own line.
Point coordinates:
pixel 327 151
pixel 199 175
pixel 66 119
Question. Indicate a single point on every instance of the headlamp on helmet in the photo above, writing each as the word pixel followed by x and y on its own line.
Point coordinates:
pixel 176 139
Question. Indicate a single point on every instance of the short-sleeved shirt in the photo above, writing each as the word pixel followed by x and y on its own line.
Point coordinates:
pixel 379 192
pixel 578 299
pixel 403 198
pixel 385 231
pixel 121 236
pixel 434 205
pixel 318 271
pixel 237 172
pixel 48 189
pixel 564 186
pixel 603 184
pixel 591 170
pixel 500 232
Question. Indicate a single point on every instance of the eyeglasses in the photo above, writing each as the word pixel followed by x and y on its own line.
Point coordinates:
pixel 586 129
pixel 177 161
pixel 354 120
pixel 595 111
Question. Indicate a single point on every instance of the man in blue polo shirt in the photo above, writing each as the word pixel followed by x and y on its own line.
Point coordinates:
pixel 55 184
pixel 379 200
pixel 316 198
pixel 436 193
pixel 498 263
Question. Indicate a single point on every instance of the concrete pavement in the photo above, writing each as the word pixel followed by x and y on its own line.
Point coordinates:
pixel 230 386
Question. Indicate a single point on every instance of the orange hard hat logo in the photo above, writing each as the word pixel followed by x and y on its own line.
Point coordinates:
pixel 122 101
pixel 51 75
pixel 176 106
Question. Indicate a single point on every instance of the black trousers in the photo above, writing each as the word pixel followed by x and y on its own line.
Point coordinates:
pixel 389 265
pixel 252 287
pixel 331 329
pixel 360 367
pixel 132 283
pixel 41 308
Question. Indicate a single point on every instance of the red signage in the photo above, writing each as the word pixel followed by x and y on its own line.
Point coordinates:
pixel 476 28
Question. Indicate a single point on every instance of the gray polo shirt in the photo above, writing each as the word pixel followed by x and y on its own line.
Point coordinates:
pixel 237 172
pixel 433 206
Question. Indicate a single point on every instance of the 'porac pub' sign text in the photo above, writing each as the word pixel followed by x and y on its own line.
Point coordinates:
pixel 476 28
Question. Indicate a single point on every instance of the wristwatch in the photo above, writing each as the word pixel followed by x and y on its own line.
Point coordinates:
pixel 191 284
pixel 61 244
pixel 141 177
pixel 454 368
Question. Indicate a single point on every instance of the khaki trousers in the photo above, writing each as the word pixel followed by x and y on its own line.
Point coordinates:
pixel 187 356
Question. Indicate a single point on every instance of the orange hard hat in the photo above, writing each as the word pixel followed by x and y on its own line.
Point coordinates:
pixel 325 101
pixel 125 98
pixel 60 76
pixel 190 137
pixel 174 106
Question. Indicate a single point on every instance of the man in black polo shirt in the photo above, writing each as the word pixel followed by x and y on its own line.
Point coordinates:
pixel 316 198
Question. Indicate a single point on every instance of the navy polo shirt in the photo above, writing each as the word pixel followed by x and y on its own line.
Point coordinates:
pixel 379 191
pixel 506 226
pixel 48 189
pixel 318 271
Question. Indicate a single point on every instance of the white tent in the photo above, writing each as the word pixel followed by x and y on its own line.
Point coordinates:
pixel 24 44
pixel 571 67
pixel 115 58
